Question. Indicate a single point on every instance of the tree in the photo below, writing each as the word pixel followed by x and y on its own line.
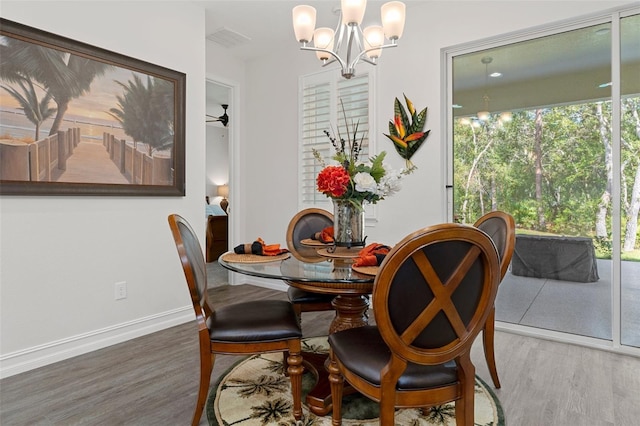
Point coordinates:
pixel 631 151
pixel 478 150
pixel 64 76
pixel 605 198
pixel 537 138
pixel 35 111
pixel 146 111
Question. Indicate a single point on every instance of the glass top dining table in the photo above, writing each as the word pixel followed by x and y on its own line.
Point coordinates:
pixel 326 275
pixel 308 271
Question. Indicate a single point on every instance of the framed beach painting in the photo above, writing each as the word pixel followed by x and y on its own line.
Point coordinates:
pixel 80 120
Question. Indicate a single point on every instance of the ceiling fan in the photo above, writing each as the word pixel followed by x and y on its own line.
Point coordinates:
pixel 224 118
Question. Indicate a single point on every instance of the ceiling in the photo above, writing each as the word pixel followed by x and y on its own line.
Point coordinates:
pixel 534 73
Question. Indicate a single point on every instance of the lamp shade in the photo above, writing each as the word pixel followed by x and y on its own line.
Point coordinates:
pixel 353 11
pixel 223 191
pixel 373 37
pixel 393 16
pixel 323 38
pixel 304 22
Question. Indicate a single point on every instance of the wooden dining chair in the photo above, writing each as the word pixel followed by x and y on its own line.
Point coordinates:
pixel 431 297
pixel 501 227
pixel 302 226
pixel 244 328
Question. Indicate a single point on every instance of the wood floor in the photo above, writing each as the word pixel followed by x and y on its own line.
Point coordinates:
pixel 152 380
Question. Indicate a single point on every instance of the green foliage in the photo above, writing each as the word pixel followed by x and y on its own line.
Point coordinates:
pixel 603 247
pixel 494 168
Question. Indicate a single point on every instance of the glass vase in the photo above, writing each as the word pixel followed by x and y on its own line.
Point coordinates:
pixel 348 223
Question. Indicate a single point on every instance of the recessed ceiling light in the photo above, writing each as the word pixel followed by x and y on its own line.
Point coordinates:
pixel 603 85
pixel 495 74
pixel 454 106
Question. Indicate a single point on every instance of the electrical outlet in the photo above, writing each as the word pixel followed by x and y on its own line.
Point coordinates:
pixel 121 290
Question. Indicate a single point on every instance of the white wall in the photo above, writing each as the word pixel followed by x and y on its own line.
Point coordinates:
pixel 412 68
pixel 60 256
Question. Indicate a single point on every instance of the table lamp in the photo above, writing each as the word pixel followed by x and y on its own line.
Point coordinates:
pixel 223 191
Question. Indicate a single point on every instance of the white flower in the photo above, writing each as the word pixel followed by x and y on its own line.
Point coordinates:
pixel 364 182
pixel 389 184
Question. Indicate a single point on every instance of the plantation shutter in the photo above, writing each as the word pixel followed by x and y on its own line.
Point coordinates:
pixel 321 109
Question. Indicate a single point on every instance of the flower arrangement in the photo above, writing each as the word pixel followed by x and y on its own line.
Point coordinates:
pixel 372 180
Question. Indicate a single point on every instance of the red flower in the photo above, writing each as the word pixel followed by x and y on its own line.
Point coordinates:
pixel 333 181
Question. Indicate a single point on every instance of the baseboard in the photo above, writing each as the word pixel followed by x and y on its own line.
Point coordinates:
pixel 49 353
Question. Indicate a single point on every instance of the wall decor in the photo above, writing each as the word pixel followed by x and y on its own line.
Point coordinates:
pixel 77 119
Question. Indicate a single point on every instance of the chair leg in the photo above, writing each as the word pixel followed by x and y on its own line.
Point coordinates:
pixel 294 370
pixel 297 308
pixel 206 367
pixel 336 381
pixel 387 409
pixel 465 405
pixel 488 343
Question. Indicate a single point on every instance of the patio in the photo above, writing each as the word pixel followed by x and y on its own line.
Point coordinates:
pixel 573 307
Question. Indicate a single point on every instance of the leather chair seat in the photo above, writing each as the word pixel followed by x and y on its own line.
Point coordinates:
pixel 263 320
pixel 297 295
pixel 363 351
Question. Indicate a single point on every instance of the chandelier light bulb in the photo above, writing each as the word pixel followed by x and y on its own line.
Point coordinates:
pixel 304 22
pixel 393 16
pixel 353 11
pixel 323 38
pixel 506 116
pixel 373 37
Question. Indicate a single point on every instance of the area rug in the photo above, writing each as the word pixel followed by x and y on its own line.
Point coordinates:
pixel 256 392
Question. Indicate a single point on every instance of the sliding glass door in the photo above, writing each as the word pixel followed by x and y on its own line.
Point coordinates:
pixel 630 180
pixel 536 132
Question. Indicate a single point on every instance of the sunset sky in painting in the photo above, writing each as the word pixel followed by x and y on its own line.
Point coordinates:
pixel 94 104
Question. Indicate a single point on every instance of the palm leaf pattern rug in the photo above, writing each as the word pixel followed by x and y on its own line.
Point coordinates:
pixel 255 392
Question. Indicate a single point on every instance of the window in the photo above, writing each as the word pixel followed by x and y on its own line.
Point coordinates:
pixel 322 96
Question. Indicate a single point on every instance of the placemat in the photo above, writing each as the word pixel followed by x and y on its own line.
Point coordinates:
pixel 367 270
pixel 313 243
pixel 232 257
pixel 340 253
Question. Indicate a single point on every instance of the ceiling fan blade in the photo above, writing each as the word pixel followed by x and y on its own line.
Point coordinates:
pixel 224 118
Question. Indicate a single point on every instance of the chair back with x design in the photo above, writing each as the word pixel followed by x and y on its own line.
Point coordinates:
pixel 434 291
pixel 431 297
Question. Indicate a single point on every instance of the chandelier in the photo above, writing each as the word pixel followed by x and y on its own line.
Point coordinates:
pixel 485 113
pixel 365 45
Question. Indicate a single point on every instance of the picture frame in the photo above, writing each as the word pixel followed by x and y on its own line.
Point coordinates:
pixel 77 119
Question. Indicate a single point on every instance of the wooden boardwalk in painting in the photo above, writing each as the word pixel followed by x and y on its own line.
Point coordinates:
pixel 90 163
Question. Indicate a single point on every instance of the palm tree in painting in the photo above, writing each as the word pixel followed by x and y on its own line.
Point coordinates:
pixel 36 111
pixel 63 75
pixel 146 111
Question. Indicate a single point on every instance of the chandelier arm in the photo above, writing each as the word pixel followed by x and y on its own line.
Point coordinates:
pixel 331 52
pixel 353 34
pixel 364 52
pixel 340 32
